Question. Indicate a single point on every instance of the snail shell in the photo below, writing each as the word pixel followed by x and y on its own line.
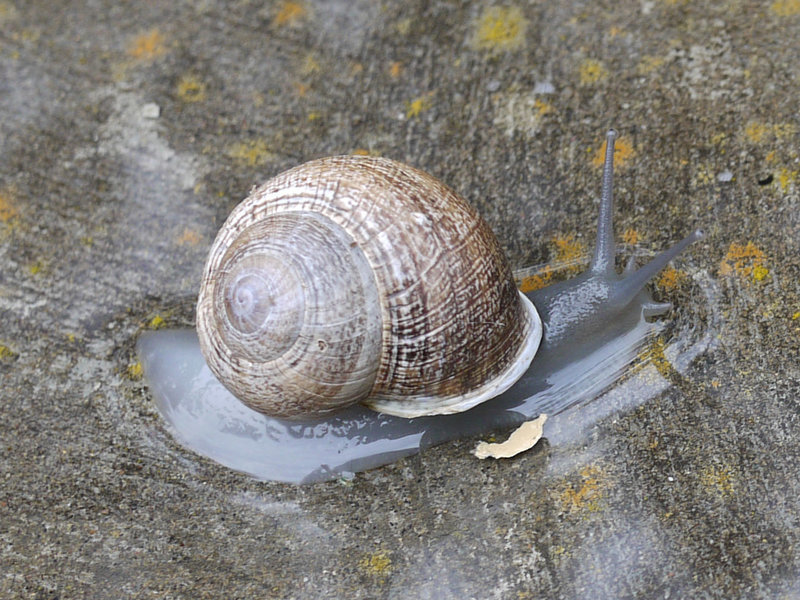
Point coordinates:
pixel 360 279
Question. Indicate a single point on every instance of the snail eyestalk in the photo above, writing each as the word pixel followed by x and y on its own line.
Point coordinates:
pixel 605 249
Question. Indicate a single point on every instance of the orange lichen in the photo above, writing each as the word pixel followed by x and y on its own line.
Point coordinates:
pixel 591 71
pixel 300 88
pixel 585 494
pixel 7 209
pixel 747 261
pixel 147 46
pixel 623 153
pixel 191 89
pixel 536 281
pixel 395 69
pixel 290 13
pixel 189 237
pixel 570 251
pixel 500 28
pixel 631 236
pixel 671 279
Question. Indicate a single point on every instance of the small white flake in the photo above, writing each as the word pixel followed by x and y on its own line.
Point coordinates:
pixel 151 110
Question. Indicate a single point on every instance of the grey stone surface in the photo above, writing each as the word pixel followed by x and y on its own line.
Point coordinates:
pixel 129 130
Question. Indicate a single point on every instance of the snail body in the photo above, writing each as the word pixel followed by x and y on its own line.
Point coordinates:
pixel 361 280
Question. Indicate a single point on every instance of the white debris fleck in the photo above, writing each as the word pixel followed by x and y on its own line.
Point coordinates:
pixel 544 87
pixel 524 438
pixel 151 110
pixel 725 176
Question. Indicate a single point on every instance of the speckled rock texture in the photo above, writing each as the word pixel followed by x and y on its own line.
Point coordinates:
pixel 128 130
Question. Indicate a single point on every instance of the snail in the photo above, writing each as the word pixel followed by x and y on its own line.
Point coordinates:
pixel 358 281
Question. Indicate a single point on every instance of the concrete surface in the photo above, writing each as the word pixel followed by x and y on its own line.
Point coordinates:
pixel 127 132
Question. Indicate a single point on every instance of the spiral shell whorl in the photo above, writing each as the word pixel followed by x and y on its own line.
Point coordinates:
pixel 431 321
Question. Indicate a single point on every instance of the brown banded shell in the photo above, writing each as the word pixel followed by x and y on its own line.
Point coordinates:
pixel 360 279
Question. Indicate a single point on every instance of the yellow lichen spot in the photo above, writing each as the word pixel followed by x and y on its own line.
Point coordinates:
pixel 188 237
pixel 770 157
pixel 251 153
pixel 378 563
pixel 36 267
pixel 623 153
pixel 755 131
pixel 86 240
pixel 419 105
pixel 759 272
pixel 746 261
pixel 786 179
pixel 648 64
pixel 6 353
pixel 718 479
pixel 135 370
pixel 360 152
pixel 290 13
pixel 156 322
pixel 591 71
pixel 719 138
pixel 703 175
pixel 7 12
pixel 758 131
pixel 500 28
pixel 783 130
pixel 671 279
pixel 586 494
pixel 191 89
pixel 314 115
pixel 7 209
pixel 631 236
pixel 785 8
pixel 715 383
pixel 654 354
pixel 395 69
pixel 147 46
pixel 403 26
pixel 310 66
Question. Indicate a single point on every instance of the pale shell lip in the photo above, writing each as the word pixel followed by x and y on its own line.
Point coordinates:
pixel 422 406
